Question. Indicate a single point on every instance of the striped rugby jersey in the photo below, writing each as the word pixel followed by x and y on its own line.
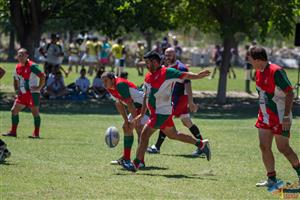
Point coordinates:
pixel 272 83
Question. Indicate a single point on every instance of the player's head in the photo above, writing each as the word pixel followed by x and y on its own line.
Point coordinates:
pixel 22 55
pixel 170 56
pixel 258 57
pixel 54 37
pixel 152 59
pixel 108 79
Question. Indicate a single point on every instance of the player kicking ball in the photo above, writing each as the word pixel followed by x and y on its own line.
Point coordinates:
pixel 182 100
pixel 28 82
pixel 126 94
pixel 158 88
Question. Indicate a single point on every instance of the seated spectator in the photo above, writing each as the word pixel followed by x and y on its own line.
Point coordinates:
pixel 82 83
pixel 55 86
pixel 98 90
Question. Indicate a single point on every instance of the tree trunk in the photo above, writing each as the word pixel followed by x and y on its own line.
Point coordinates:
pixel 228 43
pixel 27 18
pixel 11 48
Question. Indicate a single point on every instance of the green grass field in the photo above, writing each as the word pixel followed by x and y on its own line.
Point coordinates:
pixel 71 161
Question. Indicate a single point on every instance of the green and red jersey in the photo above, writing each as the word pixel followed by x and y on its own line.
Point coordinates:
pixel 27 75
pixel 272 85
pixel 127 92
pixel 159 89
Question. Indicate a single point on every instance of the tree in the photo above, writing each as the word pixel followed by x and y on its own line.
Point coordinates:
pixel 147 16
pixel 231 17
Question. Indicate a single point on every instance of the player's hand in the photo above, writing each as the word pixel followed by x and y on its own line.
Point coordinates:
pixel 204 73
pixel 137 120
pixel 193 107
pixel 286 124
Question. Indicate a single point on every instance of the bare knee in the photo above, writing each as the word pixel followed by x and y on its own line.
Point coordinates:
pixel 285 150
pixel 264 147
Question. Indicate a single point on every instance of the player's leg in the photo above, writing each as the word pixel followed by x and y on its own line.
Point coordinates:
pixel 155 148
pixel 284 147
pixel 144 141
pixel 17 107
pixel 187 122
pixel 36 115
pixel 265 144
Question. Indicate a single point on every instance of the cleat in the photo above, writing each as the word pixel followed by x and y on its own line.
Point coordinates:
pixel 129 166
pixel 118 161
pixel 198 153
pixel 152 149
pixel 270 184
pixel 206 149
pixel 34 137
pixel 9 134
pixel 4 153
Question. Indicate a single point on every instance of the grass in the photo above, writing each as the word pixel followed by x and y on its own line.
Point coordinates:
pixel 71 161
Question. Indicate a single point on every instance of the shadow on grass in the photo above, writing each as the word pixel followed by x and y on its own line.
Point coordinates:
pixel 235 108
pixel 174 176
pixel 183 155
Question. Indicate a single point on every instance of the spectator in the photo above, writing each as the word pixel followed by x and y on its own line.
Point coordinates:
pixel 91 54
pixel 178 49
pixel 98 89
pixel 217 58
pixel 82 83
pixel 139 61
pixel 104 54
pixel 55 87
pixel 119 53
pixel 73 56
pixel 52 52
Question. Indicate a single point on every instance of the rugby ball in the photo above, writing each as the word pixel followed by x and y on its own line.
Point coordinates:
pixel 112 137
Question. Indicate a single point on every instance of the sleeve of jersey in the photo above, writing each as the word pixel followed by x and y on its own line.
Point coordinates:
pixel 282 81
pixel 123 90
pixel 36 70
pixel 174 73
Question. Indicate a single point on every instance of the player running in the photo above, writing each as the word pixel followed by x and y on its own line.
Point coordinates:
pixel 28 82
pixel 126 94
pixel 182 99
pixel 158 95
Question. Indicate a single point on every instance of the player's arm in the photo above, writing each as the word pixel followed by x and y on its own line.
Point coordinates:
pixel 191 75
pixel 282 81
pixel 37 71
pixel 121 109
pixel 2 72
pixel 188 88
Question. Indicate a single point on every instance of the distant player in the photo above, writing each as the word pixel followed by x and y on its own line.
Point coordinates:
pixel 275 113
pixel 28 82
pixel 182 99
pixel 126 94
pixel 158 95
pixel 119 53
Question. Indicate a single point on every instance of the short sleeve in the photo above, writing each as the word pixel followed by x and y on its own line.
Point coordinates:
pixel 173 73
pixel 282 81
pixel 123 90
pixel 36 70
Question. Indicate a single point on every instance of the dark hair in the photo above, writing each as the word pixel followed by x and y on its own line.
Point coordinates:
pixel 109 75
pixel 152 55
pixel 82 70
pixel 258 53
pixel 124 75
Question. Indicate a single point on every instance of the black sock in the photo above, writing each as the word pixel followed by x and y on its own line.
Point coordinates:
pixel 160 139
pixel 196 132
